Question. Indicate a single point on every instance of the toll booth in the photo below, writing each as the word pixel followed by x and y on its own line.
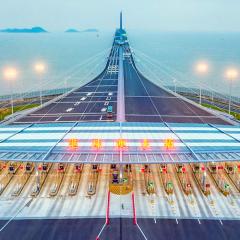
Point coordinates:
pixel 120 184
pixel 200 175
pixel 183 178
pixel 61 168
pixel 233 172
pixel 28 168
pixel 78 167
pixel 45 167
pixel 217 173
pixel 113 166
pixel 12 168
pixel 166 179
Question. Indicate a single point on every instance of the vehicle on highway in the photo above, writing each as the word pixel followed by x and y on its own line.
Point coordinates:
pixel 109 112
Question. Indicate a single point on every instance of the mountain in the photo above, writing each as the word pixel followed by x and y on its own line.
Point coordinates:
pixel 24 30
pixel 91 30
pixel 71 30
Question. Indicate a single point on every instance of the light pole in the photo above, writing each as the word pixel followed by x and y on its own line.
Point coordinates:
pixel 10 74
pixel 231 74
pixel 175 85
pixel 40 69
pixel 201 69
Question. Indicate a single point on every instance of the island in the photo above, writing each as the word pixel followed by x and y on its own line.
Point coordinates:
pixel 72 30
pixel 91 30
pixel 24 30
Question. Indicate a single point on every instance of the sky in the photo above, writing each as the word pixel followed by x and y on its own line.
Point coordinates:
pixel 159 15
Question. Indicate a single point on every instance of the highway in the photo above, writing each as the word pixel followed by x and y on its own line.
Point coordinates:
pixel 87 103
pixel 146 102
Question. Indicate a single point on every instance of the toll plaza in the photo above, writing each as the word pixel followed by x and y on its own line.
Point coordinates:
pixel 167 168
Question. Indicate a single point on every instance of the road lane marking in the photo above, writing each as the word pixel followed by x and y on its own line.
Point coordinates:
pixel 69 109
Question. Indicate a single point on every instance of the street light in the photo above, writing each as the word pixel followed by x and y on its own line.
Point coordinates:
pixel 231 74
pixel 175 85
pixel 40 69
pixel 10 74
pixel 202 69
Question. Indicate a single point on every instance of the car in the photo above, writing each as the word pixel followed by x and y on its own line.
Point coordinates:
pixel 109 112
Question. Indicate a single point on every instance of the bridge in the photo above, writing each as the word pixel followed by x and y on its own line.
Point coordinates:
pixel 147 123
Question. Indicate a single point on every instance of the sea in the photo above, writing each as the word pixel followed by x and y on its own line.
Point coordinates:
pixel 166 58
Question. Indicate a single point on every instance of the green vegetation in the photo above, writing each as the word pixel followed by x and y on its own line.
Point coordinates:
pixel 234 114
pixel 8 111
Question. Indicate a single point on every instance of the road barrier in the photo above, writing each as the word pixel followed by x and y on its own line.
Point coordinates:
pixel 108 209
pixel 134 209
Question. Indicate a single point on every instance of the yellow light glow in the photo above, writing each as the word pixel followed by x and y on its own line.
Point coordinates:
pixel 145 144
pixel 73 143
pixel 169 143
pixel 121 143
pixel 97 143
pixel 10 73
pixel 40 67
pixel 231 73
pixel 202 67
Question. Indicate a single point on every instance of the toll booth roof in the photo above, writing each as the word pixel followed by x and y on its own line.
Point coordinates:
pixel 113 142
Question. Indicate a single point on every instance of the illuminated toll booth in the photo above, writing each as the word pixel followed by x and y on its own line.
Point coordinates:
pixel 78 168
pixel 12 168
pixel 61 167
pixel 28 168
pixel 45 167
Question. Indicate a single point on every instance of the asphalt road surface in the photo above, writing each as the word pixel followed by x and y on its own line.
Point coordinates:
pixel 88 103
pixel 146 102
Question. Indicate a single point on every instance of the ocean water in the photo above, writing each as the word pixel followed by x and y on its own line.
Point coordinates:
pixel 73 59
pixel 164 57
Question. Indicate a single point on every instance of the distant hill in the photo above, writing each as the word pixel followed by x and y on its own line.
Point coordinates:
pixel 24 30
pixel 91 30
pixel 72 30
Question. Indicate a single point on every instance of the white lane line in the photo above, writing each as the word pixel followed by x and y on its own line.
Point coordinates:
pixel 57 119
pixel 199 221
pixel 221 221
pixel 76 103
pixel 103 109
pixel 83 98
pixel 176 221
pixel 89 94
pixel 142 232
pixel 69 109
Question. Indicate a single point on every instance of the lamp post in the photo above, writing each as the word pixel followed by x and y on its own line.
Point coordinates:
pixel 40 69
pixel 201 69
pixel 231 74
pixel 10 74
pixel 175 85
